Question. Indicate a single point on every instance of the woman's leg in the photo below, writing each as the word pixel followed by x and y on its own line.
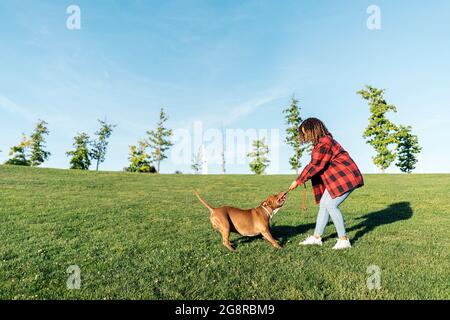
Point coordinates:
pixel 323 215
pixel 332 206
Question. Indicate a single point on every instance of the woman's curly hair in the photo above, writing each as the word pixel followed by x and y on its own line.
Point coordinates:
pixel 314 130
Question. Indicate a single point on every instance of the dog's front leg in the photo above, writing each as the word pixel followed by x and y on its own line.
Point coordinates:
pixel 268 236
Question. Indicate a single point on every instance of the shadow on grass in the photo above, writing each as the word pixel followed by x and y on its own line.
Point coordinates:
pixel 395 212
pixel 284 233
pixel 281 233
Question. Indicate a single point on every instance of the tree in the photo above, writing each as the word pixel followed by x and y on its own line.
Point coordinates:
pixel 407 149
pixel 259 155
pixel 81 155
pixel 197 162
pixel 222 154
pixel 38 154
pixel 139 158
pixel 381 132
pixel 99 145
pixel 20 153
pixel 158 140
pixel 293 120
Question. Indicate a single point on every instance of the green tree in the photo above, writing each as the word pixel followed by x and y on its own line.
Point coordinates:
pixel 293 120
pixel 158 140
pixel 407 149
pixel 381 133
pixel 259 155
pixel 100 144
pixel 197 162
pixel 80 157
pixel 20 154
pixel 38 153
pixel 139 158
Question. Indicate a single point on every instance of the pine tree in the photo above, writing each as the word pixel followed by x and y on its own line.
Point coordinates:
pixel 381 132
pixel 100 144
pixel 139 158
pixel 38 153
pixel 197 162
pixel 158 140
pixel 259 154
pixel 80 157
pixel 293 120
pixel 407 149
pixel 20 154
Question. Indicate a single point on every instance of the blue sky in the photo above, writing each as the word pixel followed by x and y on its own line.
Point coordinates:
pixel 225 63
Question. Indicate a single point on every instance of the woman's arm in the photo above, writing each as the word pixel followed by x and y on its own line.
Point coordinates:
pixel 320 157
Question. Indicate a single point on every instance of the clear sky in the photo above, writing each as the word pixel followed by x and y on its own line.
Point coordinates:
pixel 226 63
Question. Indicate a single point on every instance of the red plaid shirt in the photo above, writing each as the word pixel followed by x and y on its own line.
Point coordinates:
pixel 332 168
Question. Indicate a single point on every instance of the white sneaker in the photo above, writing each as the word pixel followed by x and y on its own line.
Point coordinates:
pixel 312 240
pixel 342 244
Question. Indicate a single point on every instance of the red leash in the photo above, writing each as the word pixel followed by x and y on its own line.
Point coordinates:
pixel 303 207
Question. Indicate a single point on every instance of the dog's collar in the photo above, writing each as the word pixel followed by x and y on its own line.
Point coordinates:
pixel 267 212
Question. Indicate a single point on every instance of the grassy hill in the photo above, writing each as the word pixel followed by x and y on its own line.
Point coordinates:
pixel 147 237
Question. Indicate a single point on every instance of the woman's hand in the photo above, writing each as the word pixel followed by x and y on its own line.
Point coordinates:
pixel 293 185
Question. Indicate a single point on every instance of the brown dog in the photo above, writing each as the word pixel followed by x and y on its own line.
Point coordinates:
pixel 250 222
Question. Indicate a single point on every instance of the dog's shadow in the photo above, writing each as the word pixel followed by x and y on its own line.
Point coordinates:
pixel 284 233
pixel 393 213
pixel 280 233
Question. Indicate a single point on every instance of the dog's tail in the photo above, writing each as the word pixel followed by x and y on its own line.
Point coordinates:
pixel 203 201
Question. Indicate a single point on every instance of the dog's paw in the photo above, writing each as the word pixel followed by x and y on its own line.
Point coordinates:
pixel 230 247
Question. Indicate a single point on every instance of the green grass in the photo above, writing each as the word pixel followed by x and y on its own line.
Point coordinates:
pixel 147 237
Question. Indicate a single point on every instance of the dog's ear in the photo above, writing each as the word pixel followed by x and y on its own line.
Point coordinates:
pixel 264 203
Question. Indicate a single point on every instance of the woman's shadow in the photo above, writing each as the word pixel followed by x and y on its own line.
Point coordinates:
pixel 395 212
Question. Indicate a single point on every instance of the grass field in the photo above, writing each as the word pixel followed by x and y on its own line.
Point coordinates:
pixel 147 237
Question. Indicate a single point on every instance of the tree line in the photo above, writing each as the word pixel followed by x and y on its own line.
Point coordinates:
pixel 31 151
pixel 390 142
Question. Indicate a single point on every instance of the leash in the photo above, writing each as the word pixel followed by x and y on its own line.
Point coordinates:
pixel 303 207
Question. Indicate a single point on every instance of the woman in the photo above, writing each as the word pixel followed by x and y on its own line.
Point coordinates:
pixel 334 175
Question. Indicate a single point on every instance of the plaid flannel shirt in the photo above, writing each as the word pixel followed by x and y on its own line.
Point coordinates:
pixel 331 167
